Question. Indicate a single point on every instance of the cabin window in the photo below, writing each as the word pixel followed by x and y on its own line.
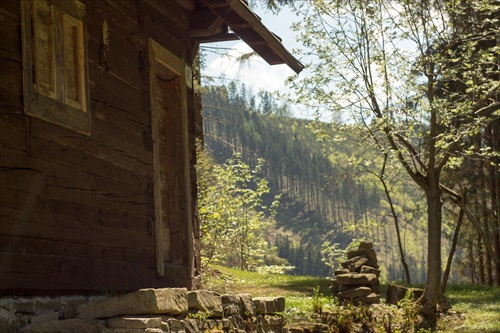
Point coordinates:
pixel 55 62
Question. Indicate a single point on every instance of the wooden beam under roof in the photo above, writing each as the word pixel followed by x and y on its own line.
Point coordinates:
pixel 204 23
pixel 248 27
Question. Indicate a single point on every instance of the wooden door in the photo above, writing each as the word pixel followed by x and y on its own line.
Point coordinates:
pixel 173 225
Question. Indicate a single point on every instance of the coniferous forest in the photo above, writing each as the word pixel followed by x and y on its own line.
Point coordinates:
pixel 334 189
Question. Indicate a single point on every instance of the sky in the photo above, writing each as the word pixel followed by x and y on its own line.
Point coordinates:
pixel 256 73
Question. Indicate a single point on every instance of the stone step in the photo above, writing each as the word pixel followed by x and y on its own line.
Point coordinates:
pixel 238 304
pixel 172 301
pixel 134 322
pixel 135 330
pixel 207 302
pixel 67 325
pixel 266 305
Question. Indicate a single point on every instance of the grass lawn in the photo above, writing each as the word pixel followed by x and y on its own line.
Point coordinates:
pixel 479 307
pixel 223 279
pixel 476 309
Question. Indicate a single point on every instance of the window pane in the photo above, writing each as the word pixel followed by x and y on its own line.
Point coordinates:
pixel 71 59
pixel 44 57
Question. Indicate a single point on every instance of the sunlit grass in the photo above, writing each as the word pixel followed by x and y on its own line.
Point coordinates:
pixel 476 309
pixel 298 290
pixel 223 279
pixel 478 305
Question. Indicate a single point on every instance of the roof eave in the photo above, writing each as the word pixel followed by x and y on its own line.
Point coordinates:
pixel 249 28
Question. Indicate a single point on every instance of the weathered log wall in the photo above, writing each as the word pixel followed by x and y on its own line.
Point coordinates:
pixel 76 210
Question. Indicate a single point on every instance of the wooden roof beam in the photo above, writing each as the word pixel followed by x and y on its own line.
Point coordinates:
pixel 204 22
pixel 224 37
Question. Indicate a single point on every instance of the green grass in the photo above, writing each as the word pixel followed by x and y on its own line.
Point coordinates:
pixel 298 290
pixel 476 309
pixel 223 279
pixel 479 306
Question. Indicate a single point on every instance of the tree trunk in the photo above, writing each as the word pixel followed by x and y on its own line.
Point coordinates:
pixel 452 250
pixel 495 193
pixel 423 273
pixel 480 232
pixel 480 257
pixel 433 284
pixel 480 254
pixel 398 234
pixel 470 249
pixel 482 167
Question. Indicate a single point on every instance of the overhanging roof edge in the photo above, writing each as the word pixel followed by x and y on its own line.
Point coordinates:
pixel 271 40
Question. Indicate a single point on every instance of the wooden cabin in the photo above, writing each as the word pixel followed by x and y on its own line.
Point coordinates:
pixel 98 122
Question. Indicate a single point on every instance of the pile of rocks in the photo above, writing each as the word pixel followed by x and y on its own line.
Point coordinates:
pixel 357 281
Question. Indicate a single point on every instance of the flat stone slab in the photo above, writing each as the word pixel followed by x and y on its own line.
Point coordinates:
pixel 363 253
pixel 45 316
pixel 335 281
pixel 22 305
pixel 365 245
pixel 368 299
pixel 67 325
pixel 356 266
pixel 231 309
pixel 134 330
pixel 7 321
pixel 305 327
pixel 269 305
pixel 341 271
pixel 173 325
pixel 238 304
pixel 357 279
pixel 247 305
pixel 230 299
pixel 370 270
pixel 134 322
pixel 355 292
pixel 206 301
pixel 350 261
pixel 172 301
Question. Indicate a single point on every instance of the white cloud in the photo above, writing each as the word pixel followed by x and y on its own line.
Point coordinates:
pixel 255 72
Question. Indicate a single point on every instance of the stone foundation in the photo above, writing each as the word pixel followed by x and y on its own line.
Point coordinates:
pixel 168 310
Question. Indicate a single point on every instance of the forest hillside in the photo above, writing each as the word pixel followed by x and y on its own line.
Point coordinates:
pixel 328 177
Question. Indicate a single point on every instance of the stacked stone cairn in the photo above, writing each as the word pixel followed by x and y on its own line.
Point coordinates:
pixel 357 281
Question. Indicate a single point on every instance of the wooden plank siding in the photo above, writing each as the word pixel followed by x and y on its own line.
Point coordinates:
pixel 76 210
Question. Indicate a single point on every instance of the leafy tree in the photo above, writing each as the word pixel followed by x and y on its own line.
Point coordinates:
pixel 233 218
pixel 273 5
pixel 393 67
